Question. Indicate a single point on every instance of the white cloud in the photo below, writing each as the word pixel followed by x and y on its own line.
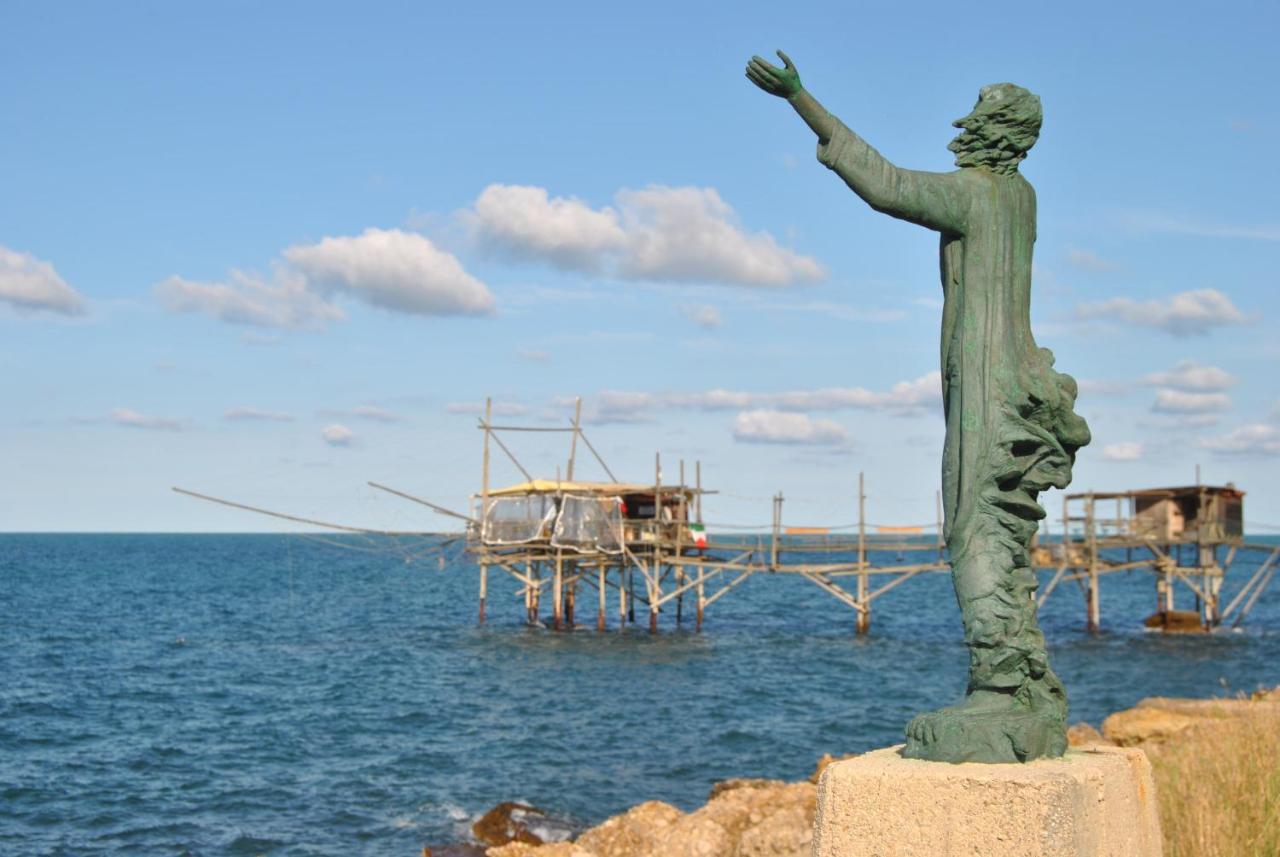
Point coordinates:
pixel 1190 376
pixel 388 268
pixel 705 316
pixel 1087 260
pixel 768 426
pixel 338 435
pixel 690 234
pixel 1152 222
pixel 522 221
pixel 395 270
pixel 133 419
pixel 1256 439
pixel 668 234
pixel 32 285
pixel 905 397
pixel 376 414
pixel 500 409
pixel 1179 402
pixel 1127 451
pixel 533 355
pixel 247 298
pixel 1184 314
pixel 247 414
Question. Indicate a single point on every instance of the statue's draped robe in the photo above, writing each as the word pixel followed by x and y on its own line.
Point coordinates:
pixel 1011 430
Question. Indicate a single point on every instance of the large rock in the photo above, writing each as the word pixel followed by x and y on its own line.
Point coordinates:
pixel 1084 735
pixel 756 819
pixel 524 849
pixel 507 822
pixel 1157 720
pixel 637 831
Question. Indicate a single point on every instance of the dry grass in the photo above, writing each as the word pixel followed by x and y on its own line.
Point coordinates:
pixel 1219 788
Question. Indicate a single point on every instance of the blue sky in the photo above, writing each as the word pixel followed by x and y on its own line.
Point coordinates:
pixel 272 251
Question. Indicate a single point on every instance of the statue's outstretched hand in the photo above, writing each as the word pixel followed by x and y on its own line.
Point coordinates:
pixel 782 82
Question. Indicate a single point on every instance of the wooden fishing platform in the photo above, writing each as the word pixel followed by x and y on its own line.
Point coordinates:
pixel 644 546
pixel 647 545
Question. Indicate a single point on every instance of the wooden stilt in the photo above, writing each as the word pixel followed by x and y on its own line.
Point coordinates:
pixel 557 592
pixel 864 615
pixel 600 612
pixel 484 586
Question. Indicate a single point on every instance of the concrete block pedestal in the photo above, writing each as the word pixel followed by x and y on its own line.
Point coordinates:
pixel 1094 802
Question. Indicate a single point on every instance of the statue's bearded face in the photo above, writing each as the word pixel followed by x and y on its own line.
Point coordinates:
pixel 999 131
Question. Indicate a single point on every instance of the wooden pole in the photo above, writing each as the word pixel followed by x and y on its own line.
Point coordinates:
pixel 654 584
pixel 864 615
pixel 557 589
pixel 697 475
pixel 681 524
pixel 484 505
pixel 1094 622
pixel 573 444
pixel 600 612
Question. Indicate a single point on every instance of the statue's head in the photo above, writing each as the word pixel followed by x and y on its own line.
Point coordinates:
pixel 1000 130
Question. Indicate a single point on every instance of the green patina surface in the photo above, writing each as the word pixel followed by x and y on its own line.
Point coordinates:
pixel 1011 428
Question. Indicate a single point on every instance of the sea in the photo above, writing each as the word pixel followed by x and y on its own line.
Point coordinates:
pixel 287 695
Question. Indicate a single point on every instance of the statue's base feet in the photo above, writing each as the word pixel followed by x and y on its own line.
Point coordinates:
pixel 980 730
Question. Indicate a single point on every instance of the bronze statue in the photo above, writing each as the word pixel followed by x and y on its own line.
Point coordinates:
pixel 1011 428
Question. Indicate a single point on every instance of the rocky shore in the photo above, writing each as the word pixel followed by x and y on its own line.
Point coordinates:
pixel 772 818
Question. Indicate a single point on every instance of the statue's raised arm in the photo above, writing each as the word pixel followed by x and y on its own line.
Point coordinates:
pixel 934 200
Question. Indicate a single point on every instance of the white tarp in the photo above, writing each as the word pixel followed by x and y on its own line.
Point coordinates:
pixel 517 520
pixel 589 523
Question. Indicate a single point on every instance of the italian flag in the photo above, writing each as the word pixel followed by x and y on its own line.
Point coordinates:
pixel 698 533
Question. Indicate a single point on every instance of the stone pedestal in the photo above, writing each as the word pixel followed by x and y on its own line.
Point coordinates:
pixel 1096 802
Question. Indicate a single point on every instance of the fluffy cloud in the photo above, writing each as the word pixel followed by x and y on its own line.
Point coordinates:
pixel 376 414
pixel 133 419
pixel 1192 377
pixel 1179 402
pixel 1128 451
pixel 31 285
pixel 395 270
pixel 500 409
pixel 1087 260
pixel 668 234
pixel 1189 313
pixel 283 301
pixel 246 414
pixel 1256 439
pixel 388 268
pixel 768 426
pixel 523 222
pixel 338 435
pixel 705 316
pixel 905 397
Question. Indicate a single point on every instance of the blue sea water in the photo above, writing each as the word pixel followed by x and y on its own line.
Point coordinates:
pixel 200 694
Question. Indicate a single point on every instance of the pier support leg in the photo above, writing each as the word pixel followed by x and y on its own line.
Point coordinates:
pixel 702 603
pixel 600 611
pixel 631 595
pixel 536 608
pixel 680 597
pixel 570 598
pixel 484 587
pixel 557 595
pixel 1094 621
pixel 622 598
pixel 864 615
